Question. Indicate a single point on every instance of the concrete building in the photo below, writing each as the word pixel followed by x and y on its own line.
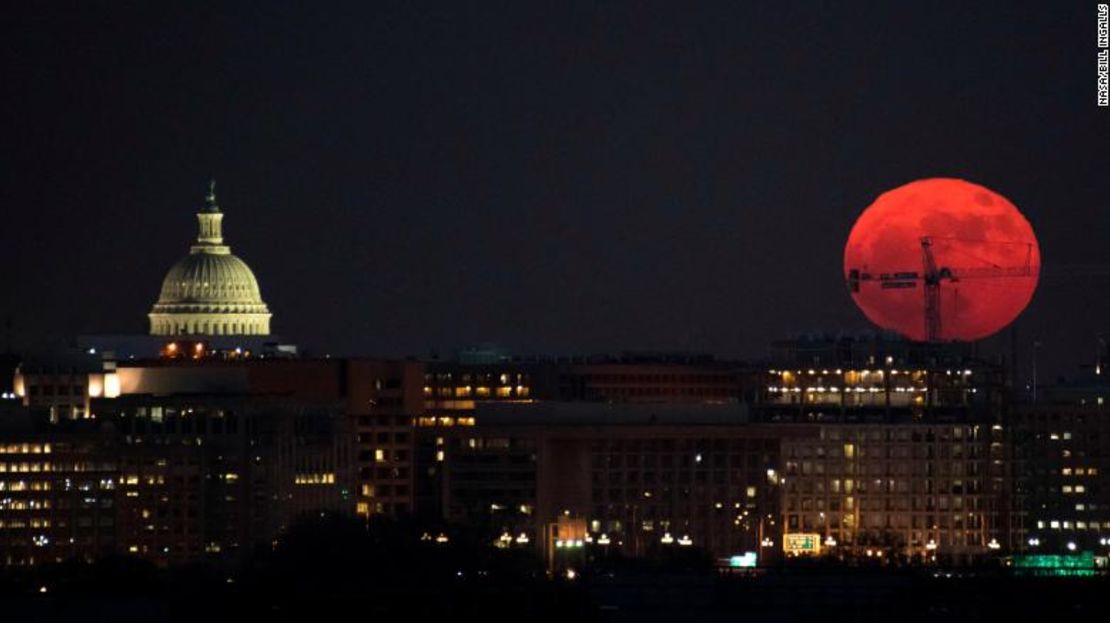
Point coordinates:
pixel 906 458
pixel 57 492
pixel 638 477
pixel 1060 448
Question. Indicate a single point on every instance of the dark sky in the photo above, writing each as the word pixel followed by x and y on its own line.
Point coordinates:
pixel 405 177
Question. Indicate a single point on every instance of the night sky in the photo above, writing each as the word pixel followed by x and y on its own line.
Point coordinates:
pixel 407 178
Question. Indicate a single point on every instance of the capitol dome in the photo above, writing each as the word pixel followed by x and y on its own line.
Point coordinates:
pixel 210 291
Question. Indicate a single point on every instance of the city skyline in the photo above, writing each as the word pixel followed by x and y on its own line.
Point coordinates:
pixel 594 179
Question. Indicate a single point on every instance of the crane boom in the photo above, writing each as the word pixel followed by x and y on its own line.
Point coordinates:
pixel 931 275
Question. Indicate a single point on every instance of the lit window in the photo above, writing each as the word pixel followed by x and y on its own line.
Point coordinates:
pixel 379 455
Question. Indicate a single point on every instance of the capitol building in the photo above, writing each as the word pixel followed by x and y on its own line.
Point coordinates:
pixel 210 291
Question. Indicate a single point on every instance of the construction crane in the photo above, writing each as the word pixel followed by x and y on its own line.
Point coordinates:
pixel 931 276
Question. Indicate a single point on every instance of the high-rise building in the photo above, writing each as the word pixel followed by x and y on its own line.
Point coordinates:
pixel 906 456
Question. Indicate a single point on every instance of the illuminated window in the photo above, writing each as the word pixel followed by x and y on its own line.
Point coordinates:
pixel 379 455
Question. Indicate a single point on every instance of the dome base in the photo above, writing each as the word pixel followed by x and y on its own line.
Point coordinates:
pixel 209 324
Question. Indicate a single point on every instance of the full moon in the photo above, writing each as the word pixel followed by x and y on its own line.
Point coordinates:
pixel 942 259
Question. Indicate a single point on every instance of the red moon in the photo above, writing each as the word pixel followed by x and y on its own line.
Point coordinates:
pixel 984 257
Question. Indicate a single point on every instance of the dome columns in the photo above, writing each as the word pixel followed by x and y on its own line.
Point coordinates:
pixel 201 324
